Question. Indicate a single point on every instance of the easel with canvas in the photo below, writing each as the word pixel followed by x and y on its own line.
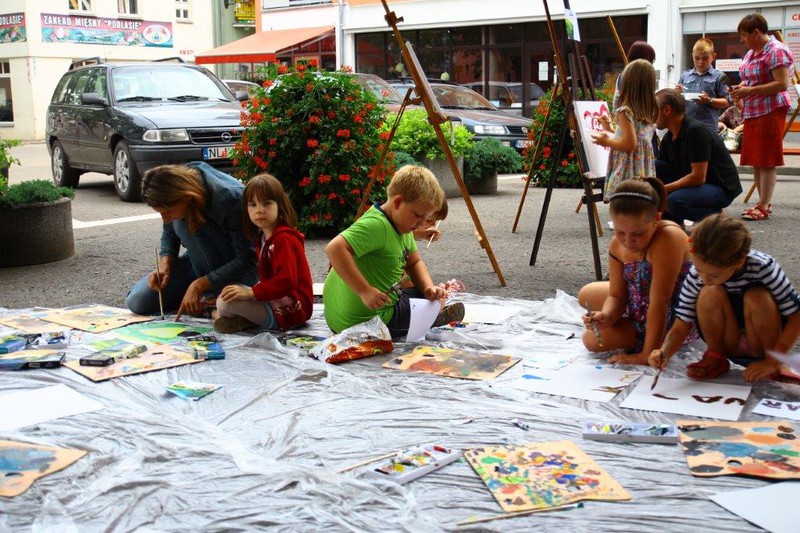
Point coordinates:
pixel 578 77
pixel 435 117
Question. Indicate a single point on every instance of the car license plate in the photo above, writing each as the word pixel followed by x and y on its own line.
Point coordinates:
pixel 217 152
pixel 524 143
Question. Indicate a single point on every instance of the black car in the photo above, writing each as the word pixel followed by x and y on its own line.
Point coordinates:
pixel 122 119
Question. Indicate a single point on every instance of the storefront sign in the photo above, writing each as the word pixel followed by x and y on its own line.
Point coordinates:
pixel 12 28
pixel 115 32
pixel 728 65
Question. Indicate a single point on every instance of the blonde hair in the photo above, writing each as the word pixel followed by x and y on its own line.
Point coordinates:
pixel 167 185
pixel 416 184
pixel 720 240
pixel 266 187
pixel 703 44
pixel 637 90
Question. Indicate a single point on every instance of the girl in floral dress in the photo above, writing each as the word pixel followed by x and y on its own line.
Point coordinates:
pixel 631 143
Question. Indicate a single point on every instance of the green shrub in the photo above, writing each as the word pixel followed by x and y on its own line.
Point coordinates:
pixel 488 157
pixel 33 192
pixel 416 137
pixel 402 159
pixel 6 159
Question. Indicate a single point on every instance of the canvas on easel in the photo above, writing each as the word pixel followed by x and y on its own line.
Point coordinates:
pixel 21 464
pixel 589 113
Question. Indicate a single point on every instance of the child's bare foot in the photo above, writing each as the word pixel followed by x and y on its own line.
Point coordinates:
pixel 629 359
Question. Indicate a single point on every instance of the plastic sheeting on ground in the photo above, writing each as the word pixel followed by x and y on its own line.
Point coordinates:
pixel 262 451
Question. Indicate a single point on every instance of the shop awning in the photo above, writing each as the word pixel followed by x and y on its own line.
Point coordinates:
pixel 261 47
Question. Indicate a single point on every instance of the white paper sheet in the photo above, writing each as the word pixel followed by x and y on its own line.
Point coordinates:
pixel 28 407
pixel 773 507
pixel 693 398
pixel 423 314
pixel 778 408
pixel 597 383
pixel 588 114
pixel 489 313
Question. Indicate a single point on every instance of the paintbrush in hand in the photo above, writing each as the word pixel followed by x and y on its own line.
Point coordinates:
pixel 595 327
pixel 658 372
pixel 160 296
pixel 436 227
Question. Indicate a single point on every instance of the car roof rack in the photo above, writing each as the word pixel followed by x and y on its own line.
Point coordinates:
pixel 86 61
pixel 165 59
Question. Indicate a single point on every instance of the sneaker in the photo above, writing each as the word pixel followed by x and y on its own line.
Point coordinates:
pixel 450 313
pixel 232 324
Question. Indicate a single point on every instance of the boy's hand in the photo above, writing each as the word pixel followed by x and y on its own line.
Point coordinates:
pixel 374 299
pixel 435 292
pixel 761 370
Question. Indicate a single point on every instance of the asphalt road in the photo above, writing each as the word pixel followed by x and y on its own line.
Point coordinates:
pixel 115 240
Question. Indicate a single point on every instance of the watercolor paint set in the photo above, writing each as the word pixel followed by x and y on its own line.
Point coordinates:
pixel 12 343
pixel 206 347
pixel 28 359
pixel 302 342
pixel 56 340
pixel 413 463
pixel 630 432
pixel 112 355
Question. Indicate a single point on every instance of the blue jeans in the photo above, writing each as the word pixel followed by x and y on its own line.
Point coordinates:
pixel 207 249
pixel 691 203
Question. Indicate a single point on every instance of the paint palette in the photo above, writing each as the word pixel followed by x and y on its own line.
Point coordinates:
pixel 630 432
pixel 542 475
pixel 414 463
pixel 21 464
pixel 760 449
pixel 452 363
pixel 156 358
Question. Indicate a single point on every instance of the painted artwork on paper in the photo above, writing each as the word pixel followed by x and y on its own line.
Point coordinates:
pixel 778 409
pixel 597 383
pixel 30 323
pixel 155 358
pixel 452 363
pixel 21 464
pixel 161 332
pixel 93 318
pixel 542 475
pixel 760 449
pixel 692 398
pixel 192 390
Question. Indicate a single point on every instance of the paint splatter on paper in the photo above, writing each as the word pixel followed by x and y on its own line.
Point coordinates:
pixel 452 363
pixel 541 475
pixel 161 332
pixel 760 449
pixel 692 398
pixel 22 464
pixel 155 358
pixel 598 383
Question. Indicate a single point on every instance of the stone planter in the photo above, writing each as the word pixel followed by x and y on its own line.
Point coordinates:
pixel 36 233
pixel 441 169
pixel 485 185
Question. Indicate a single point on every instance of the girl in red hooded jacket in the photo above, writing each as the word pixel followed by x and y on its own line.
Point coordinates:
pixel 282 298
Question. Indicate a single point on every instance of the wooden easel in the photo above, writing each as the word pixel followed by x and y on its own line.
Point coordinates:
pixel 794 79
pixel 435 117
pixel 568 82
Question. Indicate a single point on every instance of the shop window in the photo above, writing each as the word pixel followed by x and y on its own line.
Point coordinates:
pixel 127 7
pixel 183 10
pixel 6 102
pixel 80 5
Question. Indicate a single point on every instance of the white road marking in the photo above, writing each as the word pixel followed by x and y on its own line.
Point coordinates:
pixel 77 224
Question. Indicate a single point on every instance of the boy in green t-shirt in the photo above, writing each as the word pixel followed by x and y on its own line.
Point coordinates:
pixel 370 258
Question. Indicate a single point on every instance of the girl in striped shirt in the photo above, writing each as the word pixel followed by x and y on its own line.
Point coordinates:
pixel 741 299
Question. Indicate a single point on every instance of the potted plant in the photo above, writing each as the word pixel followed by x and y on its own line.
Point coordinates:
pixel 35 223
pixel 416 137
pixel 484 160
pixel 6 159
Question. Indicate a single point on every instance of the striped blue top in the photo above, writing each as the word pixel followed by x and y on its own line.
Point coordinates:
pixel 759 269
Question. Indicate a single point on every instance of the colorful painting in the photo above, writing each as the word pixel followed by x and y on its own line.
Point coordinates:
pixel 192 390
pixel 692 398
pixel 30 323
pixel 453 363
pixel 93 317
pixel 588 115
pixel 760 449
pixel 541 475
pixel 156 358
pixel 586 382
pixel 161 332
pixel 21 464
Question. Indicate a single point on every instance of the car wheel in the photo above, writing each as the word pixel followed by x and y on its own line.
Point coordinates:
pixel 63 174
pixel 127 181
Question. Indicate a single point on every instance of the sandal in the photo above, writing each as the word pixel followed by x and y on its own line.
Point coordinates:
pixel 756 213
pixel 712 365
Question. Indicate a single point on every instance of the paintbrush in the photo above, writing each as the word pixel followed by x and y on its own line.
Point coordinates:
pixel 160 296
pixel 432 234
pixel 595 328
pixel 658 372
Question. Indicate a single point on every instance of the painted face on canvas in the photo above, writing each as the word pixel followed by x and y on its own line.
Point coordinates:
pixel 635 232
pixel 712 274
pixel 174 212
pixel 409 216
pixel 263 213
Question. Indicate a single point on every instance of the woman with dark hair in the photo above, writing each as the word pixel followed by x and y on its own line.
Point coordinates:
pixel 201 209
pixel 638 50
pixel 765 78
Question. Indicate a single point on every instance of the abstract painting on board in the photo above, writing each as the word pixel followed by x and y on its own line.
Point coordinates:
pixel 542 475
pixel 94 318
pixel 30 322
pixel 156 358
pixel 760 449
pixel 21 464
pixel 452 363
pixel 162 332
